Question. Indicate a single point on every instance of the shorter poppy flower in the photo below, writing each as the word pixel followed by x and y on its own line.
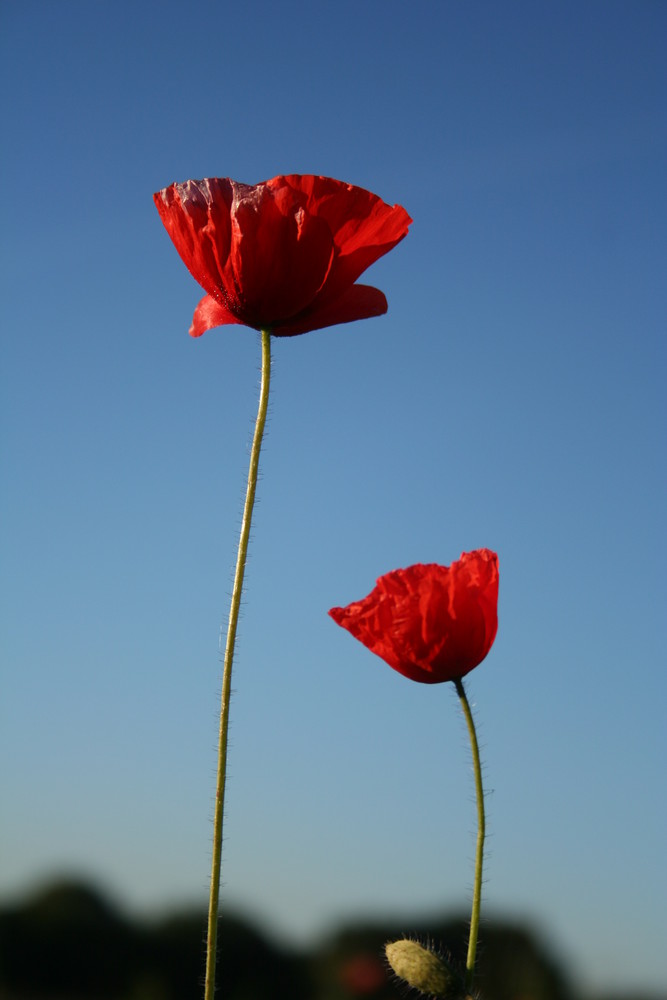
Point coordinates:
pixel 284 255
pixel 431 623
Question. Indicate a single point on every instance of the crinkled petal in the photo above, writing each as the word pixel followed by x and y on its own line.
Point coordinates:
pixel 196 215
pixel 431 623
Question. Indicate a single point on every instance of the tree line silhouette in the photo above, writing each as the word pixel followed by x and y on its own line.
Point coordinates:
pixel 69 942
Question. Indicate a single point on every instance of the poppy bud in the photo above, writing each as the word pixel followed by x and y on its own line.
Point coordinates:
pixel 424 970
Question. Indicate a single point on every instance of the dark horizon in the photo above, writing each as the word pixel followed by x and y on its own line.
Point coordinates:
pixel 62 938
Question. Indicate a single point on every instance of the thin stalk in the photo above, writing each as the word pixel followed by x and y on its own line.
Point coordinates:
pixel 481 830
pixel 212 934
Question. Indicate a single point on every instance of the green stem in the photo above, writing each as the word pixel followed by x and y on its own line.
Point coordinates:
pixel 212 935
pixel 481 830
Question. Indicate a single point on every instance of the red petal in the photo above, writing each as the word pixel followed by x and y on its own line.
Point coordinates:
pixel 280 255
pixel 208 314
pixel 196 216
pixel 357 302
pixel 364 227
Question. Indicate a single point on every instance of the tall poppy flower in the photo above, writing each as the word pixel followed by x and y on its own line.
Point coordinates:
pixel 431 623
pixel 283 255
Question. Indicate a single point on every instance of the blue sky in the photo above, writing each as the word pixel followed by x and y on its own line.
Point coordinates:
pixel 513 397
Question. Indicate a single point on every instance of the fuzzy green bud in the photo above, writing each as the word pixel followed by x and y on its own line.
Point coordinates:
pixel 423 969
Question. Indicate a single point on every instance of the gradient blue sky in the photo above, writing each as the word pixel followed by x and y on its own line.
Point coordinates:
pixel 513 397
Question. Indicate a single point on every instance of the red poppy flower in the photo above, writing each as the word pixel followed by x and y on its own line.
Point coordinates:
pixel 283 255
pixel 431 623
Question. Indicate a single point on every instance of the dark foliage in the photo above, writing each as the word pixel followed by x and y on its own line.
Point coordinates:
pixel 69 943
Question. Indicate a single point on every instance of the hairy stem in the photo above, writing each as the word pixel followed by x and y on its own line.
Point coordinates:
pixel 481 830
pixel 212 934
